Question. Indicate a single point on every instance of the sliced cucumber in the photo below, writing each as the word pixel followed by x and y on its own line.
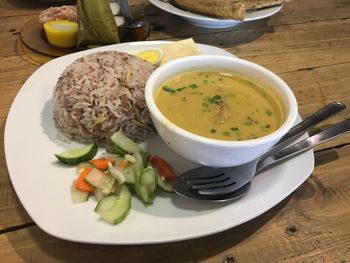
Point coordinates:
pixel 100 180
pixel 78 196
pixel 99 194
pixel 164 184
pixel 143 193
pixel 130 174
pixel 140 161
pixel 82 165
pixel 115 149
pixel 123 143
pixel 75 156
pixel 114 208
pixel 148 178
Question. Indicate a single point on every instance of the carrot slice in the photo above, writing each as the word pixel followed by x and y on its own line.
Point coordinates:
pixel 81 184
pixel 101 164
pixel 163 167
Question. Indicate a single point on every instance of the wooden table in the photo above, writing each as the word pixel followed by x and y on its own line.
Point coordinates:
pixel 308 45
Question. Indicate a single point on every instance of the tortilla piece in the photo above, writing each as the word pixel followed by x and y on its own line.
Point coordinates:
pixel 179 49
pixel 251 5
pixel 228 9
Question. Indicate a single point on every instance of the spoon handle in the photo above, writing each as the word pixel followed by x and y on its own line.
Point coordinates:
pixel 332 132
pixel 315 118
pixel 328 110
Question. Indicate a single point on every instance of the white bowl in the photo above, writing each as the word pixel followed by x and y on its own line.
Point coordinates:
pixel 212 152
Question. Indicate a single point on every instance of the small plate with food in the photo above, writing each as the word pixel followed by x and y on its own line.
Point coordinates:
pixel 209 13
pixel 87 97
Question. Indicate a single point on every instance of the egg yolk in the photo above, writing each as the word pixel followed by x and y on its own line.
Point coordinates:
pixel 152 56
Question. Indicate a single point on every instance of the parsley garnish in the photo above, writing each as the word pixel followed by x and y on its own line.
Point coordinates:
pixel 169 90
pixel 214 100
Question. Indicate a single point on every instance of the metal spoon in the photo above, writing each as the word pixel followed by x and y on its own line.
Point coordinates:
pixel 223 184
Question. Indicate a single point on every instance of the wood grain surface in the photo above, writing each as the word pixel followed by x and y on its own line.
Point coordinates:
pixel 308 45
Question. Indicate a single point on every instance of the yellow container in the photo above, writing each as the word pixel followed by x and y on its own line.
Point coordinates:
pixel 61 33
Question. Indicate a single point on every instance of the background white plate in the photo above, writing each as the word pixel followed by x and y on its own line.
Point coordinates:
pixel 205 21
pixel 43 186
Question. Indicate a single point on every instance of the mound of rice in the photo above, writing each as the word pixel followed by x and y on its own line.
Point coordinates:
pixel 101 93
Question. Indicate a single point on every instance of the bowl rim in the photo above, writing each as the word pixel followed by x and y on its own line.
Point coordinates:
pixel 150 88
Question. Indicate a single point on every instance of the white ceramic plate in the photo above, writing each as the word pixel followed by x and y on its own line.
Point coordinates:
pixel 43 186
pixel 205 21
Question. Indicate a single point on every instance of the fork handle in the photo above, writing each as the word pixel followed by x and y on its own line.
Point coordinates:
pixel 334 131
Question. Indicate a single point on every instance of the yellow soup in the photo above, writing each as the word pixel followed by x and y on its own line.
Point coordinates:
pixel 220 105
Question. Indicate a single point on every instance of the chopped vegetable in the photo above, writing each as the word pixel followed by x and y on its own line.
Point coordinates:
pixel 100 180
pixel 130 158
pixel 164 184
pixel 101 164
pixel 111 177
pixel 122 144
pixel 116 173
pixel 169 90
pixel 163 167
pixel 214 100
pixel 75 156
pixel 268 112
pixel 193 86
pixel 148 178
pixel 114 208
pixel 78 196
pixel 81 184
pixel 123 164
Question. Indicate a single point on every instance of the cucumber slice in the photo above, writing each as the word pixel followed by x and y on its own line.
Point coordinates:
pixel 78 196
pixel 99 195
pixel 164 184
pixel 82 165
pixel 115 149
pixel 143 193
pixel 130 174
pixel 133 172
pixel 148 178
pixel 123 143
pixel 100 180
pixel 140 161
pixel 75 156
pixel 114 208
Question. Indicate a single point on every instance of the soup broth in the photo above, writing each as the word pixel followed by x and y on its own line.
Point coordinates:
pixel 220 105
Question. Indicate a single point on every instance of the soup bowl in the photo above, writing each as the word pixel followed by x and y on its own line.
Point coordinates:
pixel 216 152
